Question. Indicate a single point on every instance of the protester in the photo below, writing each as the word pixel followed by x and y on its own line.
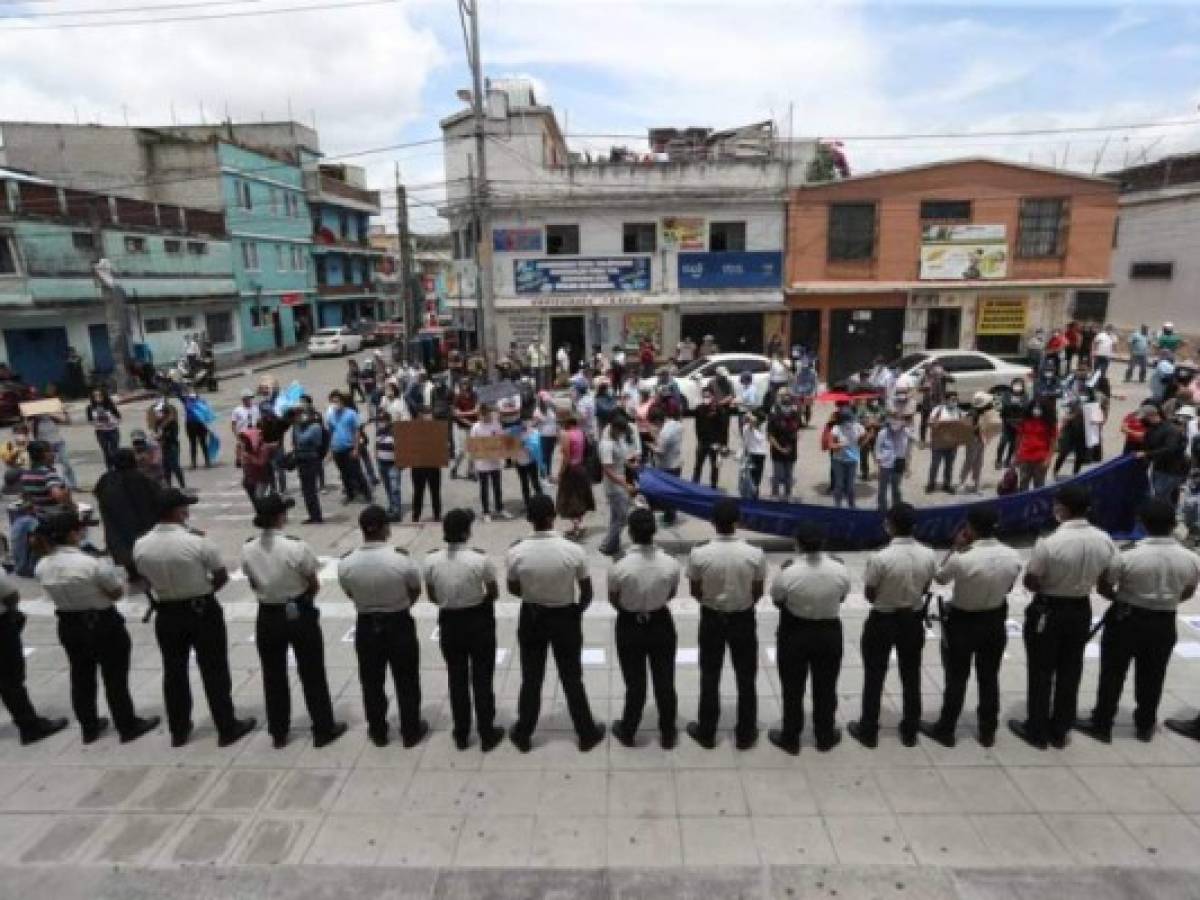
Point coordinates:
pixel 106 420
pixel 1165 450
pixel 845 437
pixel 1012 410
pixel 1139 353
pixel 619 454
pixel 892 444
pixel 489 471
pixel 546 420
pixel 343 424
pixel 45 427
pixel 783 426
pixel 943 457
pixel 1035 444
pixel 712 436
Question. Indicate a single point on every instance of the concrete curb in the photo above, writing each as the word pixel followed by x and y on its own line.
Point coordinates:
pixel 275 362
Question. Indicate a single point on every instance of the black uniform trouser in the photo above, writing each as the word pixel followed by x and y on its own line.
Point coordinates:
pixel 973 636
pixel 905 631
pixel 383 641
pixel 423 477
pixel 710 453
pixel 558 628
pixel 1145 638
pixel 804 646
pixel 309 471
pixel 737 631
pixel 184 626
pixel 12 672
pixel 468 640
pixel 274 632
pixel 647 639
pixel 1056 632
pixel 98 639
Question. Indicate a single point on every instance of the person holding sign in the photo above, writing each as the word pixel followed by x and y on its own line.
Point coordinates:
pixel 490 469
pixel 945 444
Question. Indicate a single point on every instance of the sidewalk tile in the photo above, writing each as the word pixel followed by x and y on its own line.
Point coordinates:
pixel 704 793
pixel 641 794
pixel 1168 840
pixel 495 841
pixel 241 790
pixel 1055 790
pixel 573 794
pixel 718 841
pixel 939 840
pixel 643 843
pixel 421 841
pixel 568 842
pixel 790 840
pixel 1020 840
pixel 779 793
pixel 916 791
pixel 868 840
pixel 847 792
pixel 1095 839
pixel 1124 789
pixel 348 840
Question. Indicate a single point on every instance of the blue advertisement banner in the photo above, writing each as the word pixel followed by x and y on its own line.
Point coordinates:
pixel 517 240
pixel 749 269
pixel 574 274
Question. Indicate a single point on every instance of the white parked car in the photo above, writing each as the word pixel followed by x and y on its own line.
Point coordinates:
pixel 970 371
pixel 335 341
pixel 692 378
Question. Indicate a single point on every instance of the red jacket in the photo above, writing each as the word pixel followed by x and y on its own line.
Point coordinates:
pixel 1035 441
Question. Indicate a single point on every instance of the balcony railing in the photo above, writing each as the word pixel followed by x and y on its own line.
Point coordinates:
pixel 344 290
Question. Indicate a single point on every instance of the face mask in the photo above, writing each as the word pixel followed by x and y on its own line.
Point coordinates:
pixel 1036 413
pixel 1018 388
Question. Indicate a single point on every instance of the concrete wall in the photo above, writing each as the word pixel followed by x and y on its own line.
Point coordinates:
pixel 1159 226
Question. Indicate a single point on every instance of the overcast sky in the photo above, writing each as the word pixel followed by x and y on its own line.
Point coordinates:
pixel 383 74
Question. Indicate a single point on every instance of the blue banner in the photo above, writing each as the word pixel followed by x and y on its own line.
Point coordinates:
pixel 517 240
pixel 759 269
pixel 574 274
pixel 1117 488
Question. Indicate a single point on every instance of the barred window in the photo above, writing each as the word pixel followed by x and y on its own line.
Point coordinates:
pixel 1042 229
pixel 851 231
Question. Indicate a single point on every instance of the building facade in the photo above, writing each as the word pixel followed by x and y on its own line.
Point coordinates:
pixel 345 262
pixel 1156 269
pixel 685 240
pixel 174 264
pixel 972 253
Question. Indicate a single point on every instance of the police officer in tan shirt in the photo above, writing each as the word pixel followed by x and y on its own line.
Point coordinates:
pixel 1146 583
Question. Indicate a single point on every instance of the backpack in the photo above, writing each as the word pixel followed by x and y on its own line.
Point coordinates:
pixel 256 457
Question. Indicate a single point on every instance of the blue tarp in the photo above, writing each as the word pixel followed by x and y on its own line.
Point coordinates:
pixel 1117 488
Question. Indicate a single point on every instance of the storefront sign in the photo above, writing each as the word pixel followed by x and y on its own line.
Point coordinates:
pixel 291 299
pixel 964 252
pixel 639 325
pixel 1001 315
pixel 517 240
pixel 762 269
pixel 560 276
pixel 683 232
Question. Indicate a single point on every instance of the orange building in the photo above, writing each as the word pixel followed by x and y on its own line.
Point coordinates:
pixel 971 253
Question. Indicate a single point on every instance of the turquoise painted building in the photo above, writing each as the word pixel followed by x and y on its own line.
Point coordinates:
pixel 345 264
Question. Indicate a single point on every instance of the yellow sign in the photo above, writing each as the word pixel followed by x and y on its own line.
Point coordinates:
pixel 643 325
pixel 1001 315
pixel 685 232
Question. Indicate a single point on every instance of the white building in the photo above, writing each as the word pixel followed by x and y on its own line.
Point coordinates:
pixel 686 239
pixel 1156 262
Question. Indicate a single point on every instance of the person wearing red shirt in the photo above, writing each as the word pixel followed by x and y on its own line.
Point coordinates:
pixel 1054 350
pixel 1074 338
pixel 1035 445
pixel 1134 430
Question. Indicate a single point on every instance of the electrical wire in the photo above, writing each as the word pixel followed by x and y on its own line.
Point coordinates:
pixel 59 13
pixel 349 4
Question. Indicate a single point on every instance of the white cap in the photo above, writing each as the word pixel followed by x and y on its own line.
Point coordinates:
pixel 1186 412
pixel 1168 324
pixel 982 399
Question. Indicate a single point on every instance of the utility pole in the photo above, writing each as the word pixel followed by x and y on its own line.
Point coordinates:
pixel 468 12
pixel 116 313
pixel 405 274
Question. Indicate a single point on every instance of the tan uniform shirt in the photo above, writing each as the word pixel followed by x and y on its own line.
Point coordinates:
pixel 378 578
pixel 1070 561
pixel 900 573
pixel 1154 574
pixel 983 575
pixel 727 568
pixel 177 562
pixel 812 587
pixel 644 579
pixel 76 581
pixel 278 566
pixel 8 585
pixel 547 566
pixel 457 576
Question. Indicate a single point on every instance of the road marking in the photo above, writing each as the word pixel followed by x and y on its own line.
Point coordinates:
pixel 593 656
pixel 687 656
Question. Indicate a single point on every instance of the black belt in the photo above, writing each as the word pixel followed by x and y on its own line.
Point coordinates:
pixel 959 611
pixel 906 611
pixel 644 618
pixel 465 610
pixel 1058 598
pixel 195 604
pixel 807 620
pixel 725 613
pixel 89 616
pixel 1122 610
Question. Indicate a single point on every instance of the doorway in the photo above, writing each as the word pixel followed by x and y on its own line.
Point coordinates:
pixel 38 355
pixel 806 331
pixel 102 358
pixel 569 331
pixel 943 327
pixel 277 328
pixel 733 332
pixel 858 336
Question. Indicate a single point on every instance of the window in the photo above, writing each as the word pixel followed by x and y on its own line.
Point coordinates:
pixel 274 200
pixel 245 201
pixel 8 256
pixel 298 261
pixel 966 363
pixel 250 255
pixel 172 246
pixel 1042 228
pixel 639 237
pixel 135 245
pixel 281 257
pixel 1090 306
pixel 946 210
pixel 83 240
pixel 562 240
pixel 156 326
pixel 727 236
pixel 219 327
pixel 343 226
pixel 456 244
pixel 197 248
pixel 185 323
pixel 1152 270
pixel 851 231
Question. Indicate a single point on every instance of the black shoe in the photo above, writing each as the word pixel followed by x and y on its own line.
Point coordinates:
pixel 707 741
pixel 746 741
pixel 624 738
pixel 908 737
pixel 788 745
pixel 948 489
pixel 179 738
pixel 1060 741
pixel 519 740
pixel 668 739
pixel 241 728
pixel 462 741
pixel 490 738
pixel 1189 728
pixel 41 729
pixel 1021 730
pixel 378 738
pixel 279 741
pixel 140 727
pixel 592 740
pixel 313 522
pixel 411 740
pixel 987 737
pixel 1145 735
pixel 935 732
pixel 869 739
pixel 92 734
pixel 1094 730
pixel 930 488
pixel 827 742
pixel 328 737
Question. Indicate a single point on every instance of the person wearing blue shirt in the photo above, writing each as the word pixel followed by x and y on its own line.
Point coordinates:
pixel 1139 351
pixel 307 438
pixel 343 445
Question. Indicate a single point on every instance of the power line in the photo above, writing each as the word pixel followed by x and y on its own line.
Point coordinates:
pixel 59 13
pixel 350 4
